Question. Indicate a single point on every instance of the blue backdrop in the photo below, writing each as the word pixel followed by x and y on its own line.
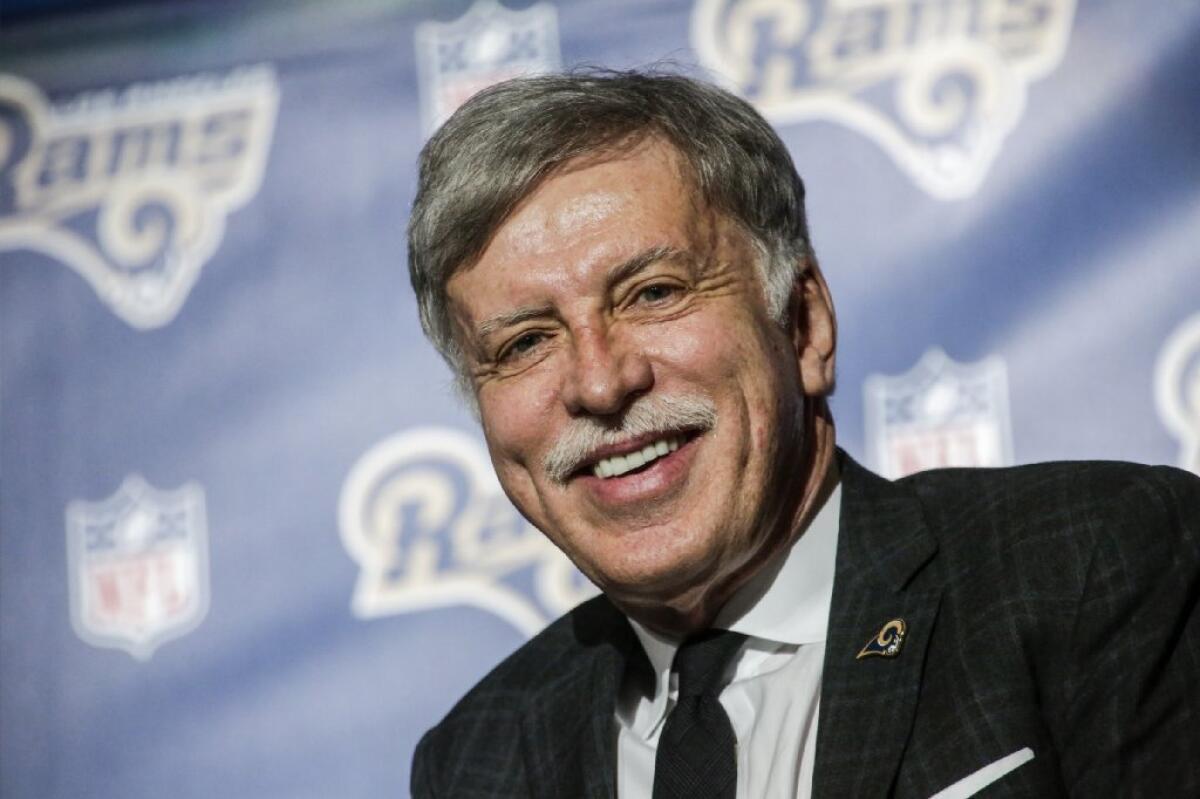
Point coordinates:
pixel 250 545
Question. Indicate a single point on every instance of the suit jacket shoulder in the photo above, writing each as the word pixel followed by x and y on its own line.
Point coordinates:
pixel 1053 607
pixel 1056 528
pixel 1056 494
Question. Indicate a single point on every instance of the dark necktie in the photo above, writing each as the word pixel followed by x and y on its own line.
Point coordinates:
pixel 697 751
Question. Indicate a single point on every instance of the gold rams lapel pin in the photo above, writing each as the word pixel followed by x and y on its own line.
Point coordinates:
pixel 887 641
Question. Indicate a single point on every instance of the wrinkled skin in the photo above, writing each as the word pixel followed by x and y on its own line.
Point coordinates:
pixel 613 281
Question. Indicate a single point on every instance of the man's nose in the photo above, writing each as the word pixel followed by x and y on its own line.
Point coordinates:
pixel 605 375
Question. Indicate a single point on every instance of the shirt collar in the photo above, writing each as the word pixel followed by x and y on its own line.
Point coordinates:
pixel 787 602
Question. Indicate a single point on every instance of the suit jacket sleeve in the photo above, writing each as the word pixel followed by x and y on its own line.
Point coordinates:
pixel 1133 690
pixel 471 756
pixel 420 783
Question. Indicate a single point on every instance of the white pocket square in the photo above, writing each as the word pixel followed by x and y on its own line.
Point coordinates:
pixel 975 782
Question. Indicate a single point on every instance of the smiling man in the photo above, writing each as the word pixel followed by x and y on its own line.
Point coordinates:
pixel 617 266
pixel 590 352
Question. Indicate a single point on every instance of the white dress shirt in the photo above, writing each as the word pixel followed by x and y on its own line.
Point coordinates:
pixel 773 697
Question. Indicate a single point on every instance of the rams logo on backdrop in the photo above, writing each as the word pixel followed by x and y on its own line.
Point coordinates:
pixel 1177 390
pixel 940 413
pixel 486 45
pixel 938 84
pixel 131 187
pixel 423 515
pixel 138 566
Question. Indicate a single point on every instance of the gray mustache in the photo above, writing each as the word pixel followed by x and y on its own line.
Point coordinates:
pixel 664 414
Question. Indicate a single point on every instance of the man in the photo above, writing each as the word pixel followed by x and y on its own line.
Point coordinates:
pixel 617 266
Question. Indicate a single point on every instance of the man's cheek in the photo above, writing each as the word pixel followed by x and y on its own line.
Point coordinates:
pixel 692 347
pixel 513 424
pixel 521 490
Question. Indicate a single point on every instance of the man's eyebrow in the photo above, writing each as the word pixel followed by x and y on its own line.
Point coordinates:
pixel 637 263
pixel 510 318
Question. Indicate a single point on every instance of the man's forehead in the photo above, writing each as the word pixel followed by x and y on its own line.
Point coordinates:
pixel 536 227
pixel 593 199
pixel 589 187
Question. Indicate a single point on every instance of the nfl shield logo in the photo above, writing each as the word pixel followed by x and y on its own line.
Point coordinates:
pixel 138 566
pixel 941 413
pixel 486 45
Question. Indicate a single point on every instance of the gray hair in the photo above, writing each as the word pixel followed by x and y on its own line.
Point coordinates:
pixel 497 148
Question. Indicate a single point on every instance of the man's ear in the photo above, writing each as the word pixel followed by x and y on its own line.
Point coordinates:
pixel 813 327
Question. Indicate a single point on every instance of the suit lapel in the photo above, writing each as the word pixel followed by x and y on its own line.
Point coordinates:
pixel 867 704
pixel 568 730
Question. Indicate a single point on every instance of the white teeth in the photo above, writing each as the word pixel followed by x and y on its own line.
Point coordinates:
pixel 620 464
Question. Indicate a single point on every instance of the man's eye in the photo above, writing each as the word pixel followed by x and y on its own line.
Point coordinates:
pixel 656 293
pixel 522 345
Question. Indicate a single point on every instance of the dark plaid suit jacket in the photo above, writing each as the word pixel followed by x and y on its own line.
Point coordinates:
pixel 1054 607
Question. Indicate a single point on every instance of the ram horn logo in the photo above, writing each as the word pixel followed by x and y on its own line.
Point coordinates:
pixel 938 85
pixel 940 413
pixel 424 517
pixel 131 188
pixel 1177 390
pixel 138 566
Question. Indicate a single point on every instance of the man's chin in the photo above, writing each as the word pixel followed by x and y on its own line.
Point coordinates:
pixel 678 587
